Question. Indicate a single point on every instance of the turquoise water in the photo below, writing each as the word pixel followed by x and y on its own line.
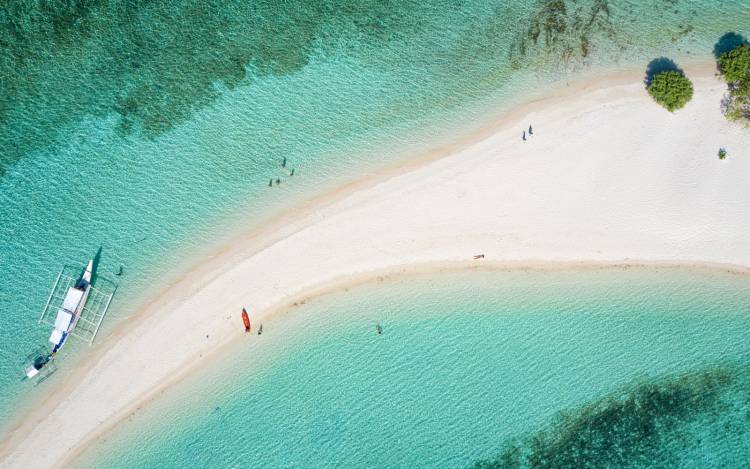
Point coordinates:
pixel 151 129
pixel 655 361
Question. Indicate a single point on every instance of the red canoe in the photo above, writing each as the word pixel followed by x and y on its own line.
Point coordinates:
pixel 246 320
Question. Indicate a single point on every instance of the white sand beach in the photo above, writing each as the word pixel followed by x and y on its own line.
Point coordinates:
pixel 608 176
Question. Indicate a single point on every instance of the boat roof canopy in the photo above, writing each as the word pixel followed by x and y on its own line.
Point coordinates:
pixel 72 299
pixel 31 371
pixel 56 337
pixel 63 319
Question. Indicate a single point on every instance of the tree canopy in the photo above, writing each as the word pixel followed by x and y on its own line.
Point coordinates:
pixel 671 89
pixel 734 66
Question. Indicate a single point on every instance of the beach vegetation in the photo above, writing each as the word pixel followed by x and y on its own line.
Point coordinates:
pixel 734 66
pixel 671 89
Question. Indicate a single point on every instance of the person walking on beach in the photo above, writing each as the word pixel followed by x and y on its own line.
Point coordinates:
pixel 523 136
pixel 531 132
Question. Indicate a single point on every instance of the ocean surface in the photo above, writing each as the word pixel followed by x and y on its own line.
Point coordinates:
pixel 605 368
pixel 151 130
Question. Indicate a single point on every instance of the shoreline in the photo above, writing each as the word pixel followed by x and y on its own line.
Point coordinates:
pixel 405 162
pixel 194 263
pixel 215 357
pixel 223 261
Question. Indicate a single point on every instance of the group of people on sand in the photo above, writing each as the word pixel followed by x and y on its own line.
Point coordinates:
pixel 531 132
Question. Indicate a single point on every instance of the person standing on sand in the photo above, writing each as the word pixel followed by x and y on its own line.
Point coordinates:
pixel 531 132
pixel 523 136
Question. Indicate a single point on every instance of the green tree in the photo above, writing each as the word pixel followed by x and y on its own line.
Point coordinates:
pixel 734 66
pixel 671 89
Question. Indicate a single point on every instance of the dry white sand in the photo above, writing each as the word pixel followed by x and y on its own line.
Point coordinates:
pixel 607 176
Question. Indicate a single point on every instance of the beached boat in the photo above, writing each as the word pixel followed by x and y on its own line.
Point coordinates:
pixel 246 320
pixel 39 363
pixel 70 311
pixel 74 308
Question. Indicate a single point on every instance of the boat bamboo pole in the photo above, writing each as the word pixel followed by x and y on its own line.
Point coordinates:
pixel 98 325
pixel 52 292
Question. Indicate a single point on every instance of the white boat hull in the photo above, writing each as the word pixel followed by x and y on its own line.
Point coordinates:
pixel 72 307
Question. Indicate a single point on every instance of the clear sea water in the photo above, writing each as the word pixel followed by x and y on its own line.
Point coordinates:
pixel 151 129
pixel 467 363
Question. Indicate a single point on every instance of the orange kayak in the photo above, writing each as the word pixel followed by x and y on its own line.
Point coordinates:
pixel 246 320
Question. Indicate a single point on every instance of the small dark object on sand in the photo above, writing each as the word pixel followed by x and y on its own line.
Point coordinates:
pixel 260 329
pixel 479 256
pixel 292 173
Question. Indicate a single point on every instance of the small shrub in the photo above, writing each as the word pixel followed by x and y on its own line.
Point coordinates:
pixel 722 154
pixel 671 89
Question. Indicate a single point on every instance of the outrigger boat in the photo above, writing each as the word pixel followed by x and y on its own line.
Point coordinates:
pixel 66 320
pixel 74 308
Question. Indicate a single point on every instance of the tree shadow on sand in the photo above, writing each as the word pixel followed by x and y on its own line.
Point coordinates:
pixel 662 64
pixel 727 42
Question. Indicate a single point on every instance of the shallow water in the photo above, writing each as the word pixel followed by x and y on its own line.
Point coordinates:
pixel 151 130
pixel 469 363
